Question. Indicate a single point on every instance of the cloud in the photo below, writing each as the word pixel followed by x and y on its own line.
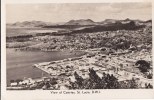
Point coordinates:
pixel 131 5
pixel 68 11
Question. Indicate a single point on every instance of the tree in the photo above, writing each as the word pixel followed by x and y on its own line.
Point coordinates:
pixel 18 80
pixel 144 66
pixel 95 82
pixel 106 82
pixel 149 76
pixel 11 81
pixel 79 81
pixel 128 84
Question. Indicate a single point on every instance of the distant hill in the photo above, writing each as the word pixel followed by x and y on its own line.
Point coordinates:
pixel 108 21
pixel 148 23
pixel 112 25
pixel 125 21
pixel 81 22
pixel 30 24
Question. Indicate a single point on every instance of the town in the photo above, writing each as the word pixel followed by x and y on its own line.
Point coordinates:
pixel 122 65
pixel 113 59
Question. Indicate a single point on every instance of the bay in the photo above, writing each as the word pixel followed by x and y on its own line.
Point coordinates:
pixel 19 63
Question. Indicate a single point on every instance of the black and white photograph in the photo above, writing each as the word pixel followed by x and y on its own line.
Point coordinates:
pixel 79 46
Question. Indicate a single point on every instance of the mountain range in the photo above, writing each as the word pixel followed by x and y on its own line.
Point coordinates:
pixel 83 22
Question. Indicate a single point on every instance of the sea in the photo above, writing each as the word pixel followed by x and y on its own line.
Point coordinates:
pixel 19 64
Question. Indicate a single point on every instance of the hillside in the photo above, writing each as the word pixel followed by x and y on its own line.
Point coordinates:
pixel 112 27
pixel 81 22
pixel 73 24
pixel 29 24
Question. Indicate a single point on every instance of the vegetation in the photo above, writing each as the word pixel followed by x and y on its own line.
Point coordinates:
pixel 115 37
pixel 149 76
pixel 66 26
pixel 105 82
pixel 148 86
pixel 112 27
pixel 20 38
pixel 144 66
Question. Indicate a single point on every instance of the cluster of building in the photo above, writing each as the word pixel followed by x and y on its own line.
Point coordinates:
pixel 27 83
pixel 83 41
pixel 100 56
pixel 120 64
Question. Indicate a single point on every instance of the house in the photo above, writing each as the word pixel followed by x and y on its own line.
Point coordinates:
pixel 27 81
pixel 14 84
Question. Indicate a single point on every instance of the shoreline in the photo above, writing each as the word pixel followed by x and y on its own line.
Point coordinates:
pixel 21 66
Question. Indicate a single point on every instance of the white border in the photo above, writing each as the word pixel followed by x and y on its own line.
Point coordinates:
pixel 73 1
pixel 46 95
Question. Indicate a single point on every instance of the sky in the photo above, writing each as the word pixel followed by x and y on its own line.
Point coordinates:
pixel 64 12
